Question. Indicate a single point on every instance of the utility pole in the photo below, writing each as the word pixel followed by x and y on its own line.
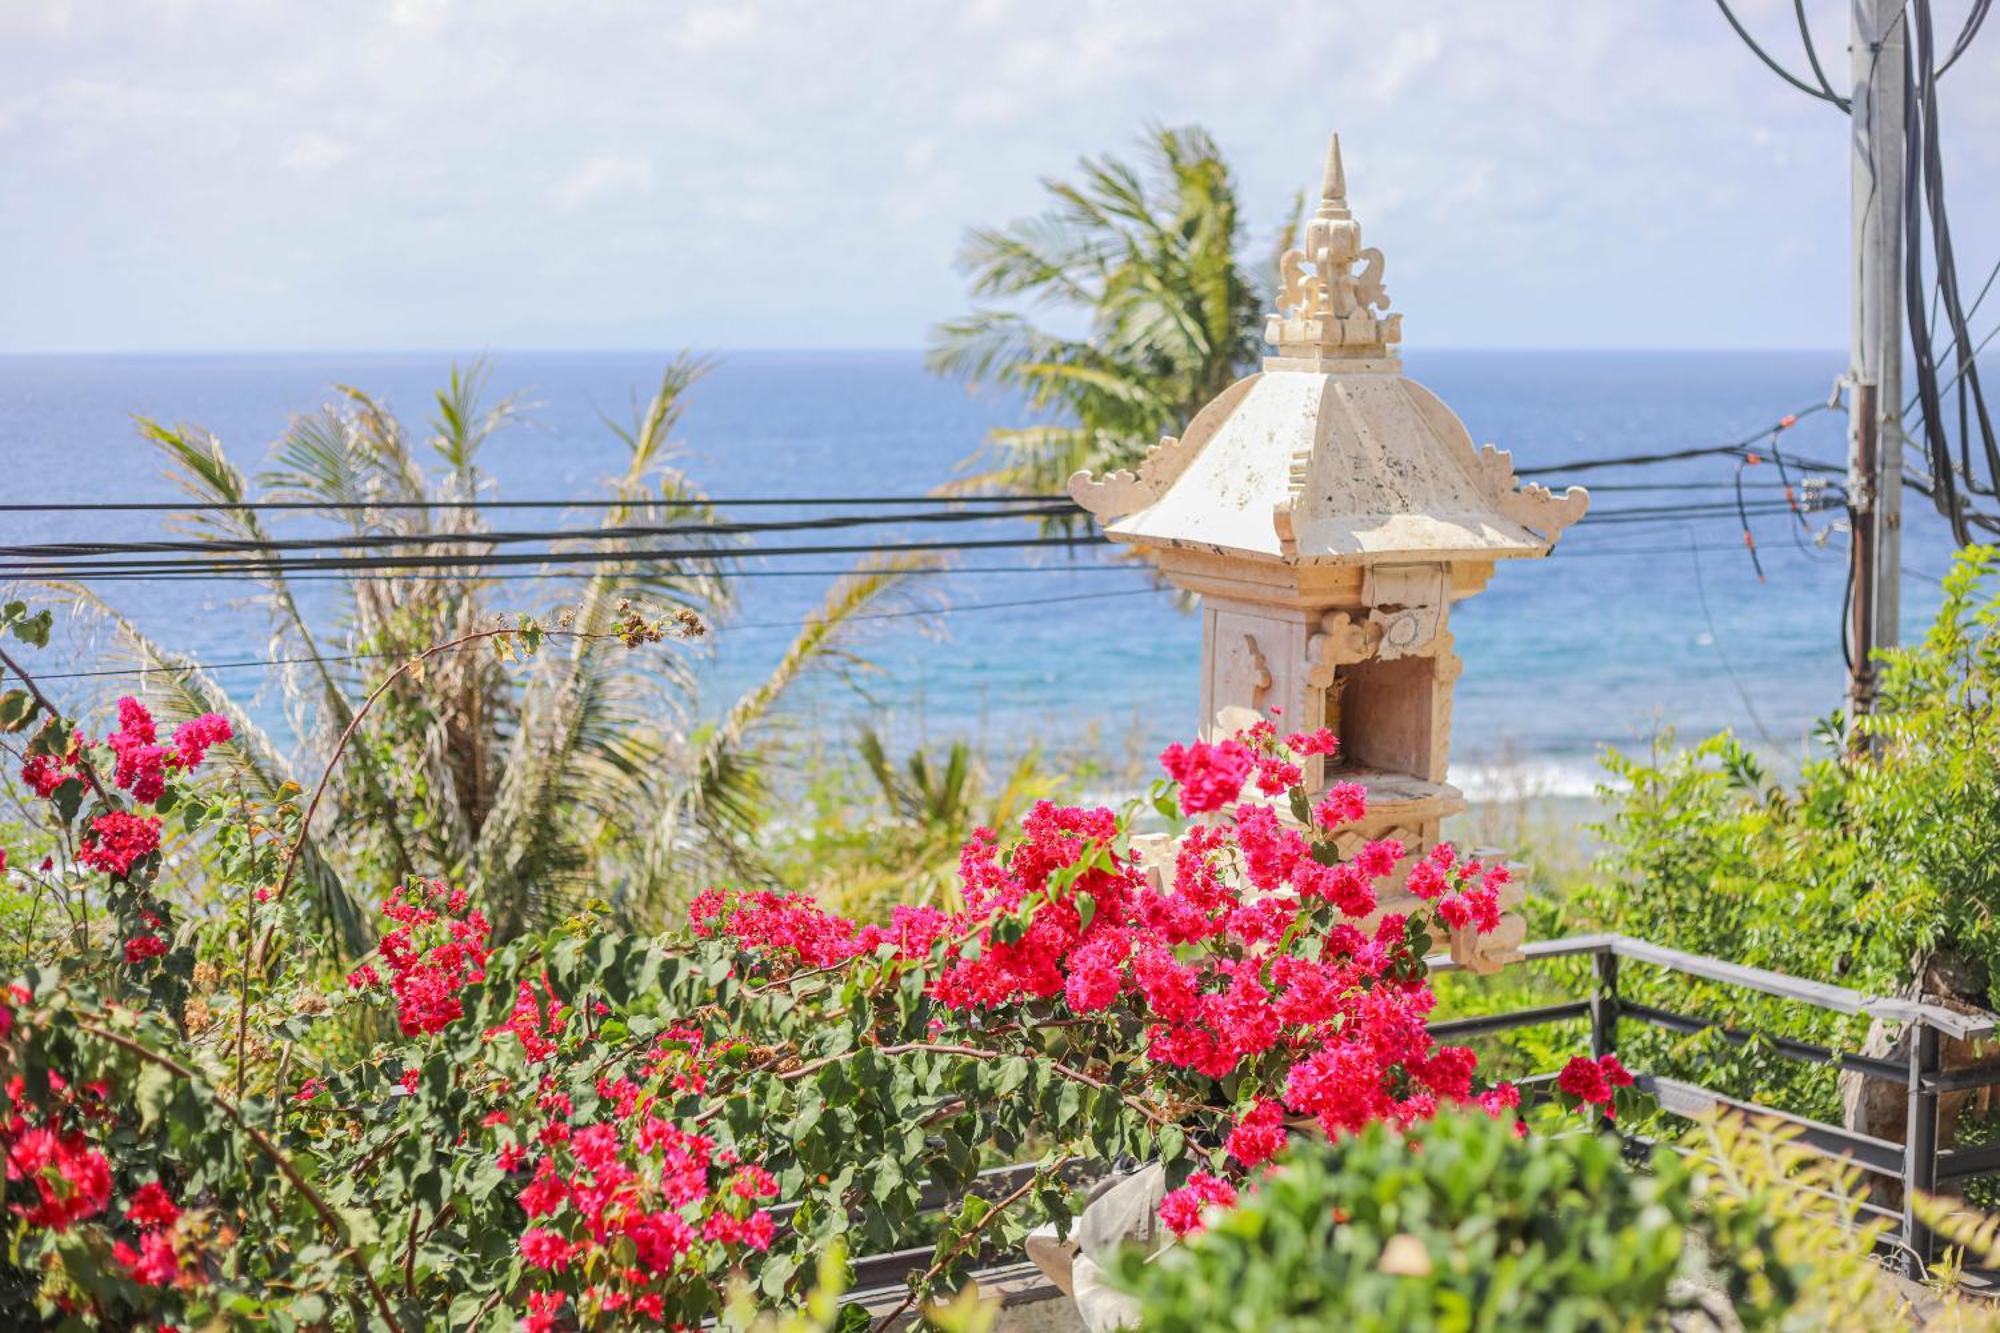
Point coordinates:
pixel 1875 369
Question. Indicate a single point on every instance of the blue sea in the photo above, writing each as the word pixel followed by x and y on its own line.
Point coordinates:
pixel 1628 628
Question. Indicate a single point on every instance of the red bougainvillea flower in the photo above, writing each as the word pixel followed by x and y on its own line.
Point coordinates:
pixel 68 1178
pixel 1344 803
pixel 436 950
pixel 151 1206
pixel 141 947
pixel 115 842
pixel 1181 1209
pixel 154 1263
pixel 543 1307
pixel 1258 954
pixel 1595 1082
pixel 193 738
pixel 1211 776
pixel 1260 1135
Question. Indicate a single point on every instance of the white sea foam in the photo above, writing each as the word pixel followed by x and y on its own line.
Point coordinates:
pixel 1528 779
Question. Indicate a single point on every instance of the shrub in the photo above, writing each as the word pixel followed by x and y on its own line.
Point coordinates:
pixel 1458 1224
pixel 208 1125
pixel 1873 857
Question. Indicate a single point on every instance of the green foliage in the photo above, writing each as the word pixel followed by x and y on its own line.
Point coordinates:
pixel 1927 809
pixel 1886 851
pixel 1151 256
pixel 869 832
pixel 1461 1225
pixel 534 786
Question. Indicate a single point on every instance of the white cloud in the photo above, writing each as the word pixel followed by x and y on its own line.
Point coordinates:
pixel 1535 170
pixel 599 177
pixel 313 154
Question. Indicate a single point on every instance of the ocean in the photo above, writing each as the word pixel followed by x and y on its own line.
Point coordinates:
pixel 1629 628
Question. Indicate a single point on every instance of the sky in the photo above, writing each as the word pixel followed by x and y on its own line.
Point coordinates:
pixel 273 175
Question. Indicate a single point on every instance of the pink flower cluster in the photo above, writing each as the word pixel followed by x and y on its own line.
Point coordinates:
pixel 115 842
pixel 636 1203
pixel 794 926
pixel 162 1258
pixel 437 949
pixel 50 1163
pixel 1466 893
pixel 1257 960
pixel 539 1030
pixel 1181 1209
pixel 1595 1083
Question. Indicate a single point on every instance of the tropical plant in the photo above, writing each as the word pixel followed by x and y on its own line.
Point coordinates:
pixel 1461 1224
pixel 583 1126
pixel 863 848
pixel 1927 797
pixel 1152 256
pixel 1879 856
pixel 589 775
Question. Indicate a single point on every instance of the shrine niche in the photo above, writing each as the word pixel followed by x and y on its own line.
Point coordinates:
pixel 1329 512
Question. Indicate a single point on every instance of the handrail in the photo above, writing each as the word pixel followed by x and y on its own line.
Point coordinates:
pixel 1840 999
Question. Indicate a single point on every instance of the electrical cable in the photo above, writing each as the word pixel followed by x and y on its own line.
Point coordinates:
pixel 366 541
pixel 1812 56
pixel 1827 96
pixel 1785 422
pixel 188 506
pixel 197 568
pixel 260 662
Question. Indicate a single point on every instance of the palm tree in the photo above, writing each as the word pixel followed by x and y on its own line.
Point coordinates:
pixel 586 774
pixel 1152 255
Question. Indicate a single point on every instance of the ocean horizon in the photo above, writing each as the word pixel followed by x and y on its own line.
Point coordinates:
pixel 1632 626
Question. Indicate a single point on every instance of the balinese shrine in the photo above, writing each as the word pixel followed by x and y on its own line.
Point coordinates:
pixel 1329 511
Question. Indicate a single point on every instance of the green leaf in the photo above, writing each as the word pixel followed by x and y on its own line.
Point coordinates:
pixel 153 1090
pixel 17 710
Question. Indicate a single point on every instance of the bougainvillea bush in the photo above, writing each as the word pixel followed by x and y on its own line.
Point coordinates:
pixel 211 1124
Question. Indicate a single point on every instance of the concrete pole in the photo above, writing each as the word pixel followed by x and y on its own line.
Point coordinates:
pixel 1875 417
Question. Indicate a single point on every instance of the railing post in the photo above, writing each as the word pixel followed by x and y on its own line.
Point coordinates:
pixel 1920 1145
pixel 1604 1005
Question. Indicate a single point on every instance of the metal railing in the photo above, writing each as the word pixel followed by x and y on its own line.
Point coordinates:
pixel 1918 1165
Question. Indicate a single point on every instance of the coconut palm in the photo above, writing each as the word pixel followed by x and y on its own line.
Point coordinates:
pixel 585 774
pixel 1152 256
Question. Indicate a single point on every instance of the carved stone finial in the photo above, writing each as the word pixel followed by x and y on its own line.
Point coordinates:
pixel 1333 185
pixel 1326 309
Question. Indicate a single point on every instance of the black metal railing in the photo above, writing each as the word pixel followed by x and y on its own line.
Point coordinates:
pixel 1918 1165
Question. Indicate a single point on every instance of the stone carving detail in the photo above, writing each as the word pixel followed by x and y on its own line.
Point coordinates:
pixel 1340 642
pixel 1299 474
pixel 1407 631
pixel 1123 491
pixel 1408 603
pixel 1319 282
pixel 1326 305
pixel 1532 506
pixel 1247 671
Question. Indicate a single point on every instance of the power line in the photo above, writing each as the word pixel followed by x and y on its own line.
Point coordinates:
pixel 725 575
pixel 368 541
pixel 1735 447
pixel 112 569
pixel 1828 95
pixel 188 506
pixel 266 662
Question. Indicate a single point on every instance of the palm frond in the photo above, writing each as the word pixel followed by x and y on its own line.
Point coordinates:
pixel 706 825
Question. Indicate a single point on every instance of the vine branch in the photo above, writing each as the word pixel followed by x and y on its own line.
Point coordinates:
pixel 328 1218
